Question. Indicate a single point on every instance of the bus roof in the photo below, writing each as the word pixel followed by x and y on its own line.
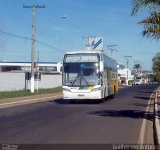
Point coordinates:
pixel 84 52
pixel 89 52
pixel 110 62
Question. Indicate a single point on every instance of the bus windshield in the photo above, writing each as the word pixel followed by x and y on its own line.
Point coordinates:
pixel 81 74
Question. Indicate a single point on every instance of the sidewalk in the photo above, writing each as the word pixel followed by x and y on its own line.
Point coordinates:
pixel 158 104
pixel 5 103
pixel 157 116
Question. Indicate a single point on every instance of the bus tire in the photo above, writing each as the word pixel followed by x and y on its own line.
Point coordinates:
pixel 104 98
pixel 72 101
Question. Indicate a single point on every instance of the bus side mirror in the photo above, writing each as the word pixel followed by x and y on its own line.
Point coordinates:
pixel 101 66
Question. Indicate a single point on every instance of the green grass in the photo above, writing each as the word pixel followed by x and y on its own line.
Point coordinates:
pixel 20 93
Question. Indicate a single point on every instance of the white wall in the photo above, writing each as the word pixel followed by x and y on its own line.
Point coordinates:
pixel 50 81
pixel 123 72
pixel 10 81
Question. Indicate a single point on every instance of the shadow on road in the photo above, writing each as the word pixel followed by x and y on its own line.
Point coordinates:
pixel 149 92
pixel 67 102
pixel 60 101
pixel 141 105
pixel 135 114
pixel 142 97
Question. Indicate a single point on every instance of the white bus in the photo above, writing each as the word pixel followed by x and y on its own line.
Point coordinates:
pixel 138 80
pixel 89 75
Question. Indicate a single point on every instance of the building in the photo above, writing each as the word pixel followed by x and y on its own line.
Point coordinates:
pixel 124 74
pixel 44 67
pixel 16 75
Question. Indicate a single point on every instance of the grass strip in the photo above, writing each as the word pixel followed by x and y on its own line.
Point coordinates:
pixel 20 93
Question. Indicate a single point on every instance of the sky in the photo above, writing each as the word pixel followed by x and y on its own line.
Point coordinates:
pixel 63 25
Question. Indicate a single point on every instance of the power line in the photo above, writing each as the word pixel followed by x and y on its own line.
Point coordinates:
pixel 50 46
pixel 27 38
pixel 11 17
pixel 11 34
pixel 139 53
pixel 51 12
pixel 54 13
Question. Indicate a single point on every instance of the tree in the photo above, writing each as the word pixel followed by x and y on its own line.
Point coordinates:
pixel 152 5
pixel 151 25
pixel 138 68
pixel 152 22
pixel 156 66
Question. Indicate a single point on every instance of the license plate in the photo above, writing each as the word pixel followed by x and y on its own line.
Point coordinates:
pixel 80 95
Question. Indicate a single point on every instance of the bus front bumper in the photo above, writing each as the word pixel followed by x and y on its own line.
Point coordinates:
pixel 79 95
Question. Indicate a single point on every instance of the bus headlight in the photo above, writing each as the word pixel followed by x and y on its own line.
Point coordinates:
pixel 96 89
pixel 66 90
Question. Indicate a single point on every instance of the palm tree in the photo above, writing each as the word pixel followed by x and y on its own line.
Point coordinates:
pixel 138 68
pixel 152 25
pixel 152 5
pixel 156 66
pixel 152 22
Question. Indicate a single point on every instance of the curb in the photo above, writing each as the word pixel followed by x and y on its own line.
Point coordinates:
pixel 156 119
pixel 144 122
pixel 28 101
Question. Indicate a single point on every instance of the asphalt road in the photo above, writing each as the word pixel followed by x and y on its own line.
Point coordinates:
pixel 115 121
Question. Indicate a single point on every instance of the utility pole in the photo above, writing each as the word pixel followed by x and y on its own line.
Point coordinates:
pixel 89 42
pixel 33 42
pixel 38 60
pixel 127 62
pixel 112 49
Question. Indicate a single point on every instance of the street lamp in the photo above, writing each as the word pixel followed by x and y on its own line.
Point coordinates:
pixel 64 17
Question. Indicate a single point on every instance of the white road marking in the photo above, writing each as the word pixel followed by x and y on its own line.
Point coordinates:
pixel 143 127
pixel 157 124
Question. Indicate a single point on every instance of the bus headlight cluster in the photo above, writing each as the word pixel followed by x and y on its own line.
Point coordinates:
pixel 96 89
pixel 66 90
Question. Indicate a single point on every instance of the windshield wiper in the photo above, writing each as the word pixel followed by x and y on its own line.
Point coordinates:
pixel 81 78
